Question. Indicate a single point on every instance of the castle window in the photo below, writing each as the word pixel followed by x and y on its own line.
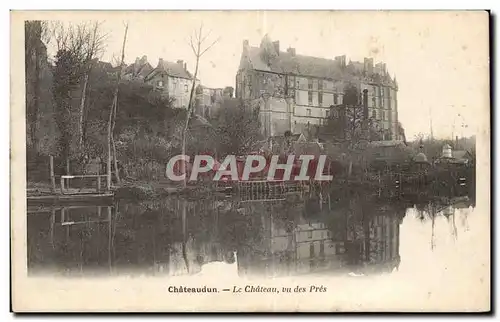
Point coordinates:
pixel 374 114
pixel 186 88
pixel 310 234
pixel 320 99
pixel 159 83
pixel 320 85
pixel 310 97
pixel 335 99
pixel 308 112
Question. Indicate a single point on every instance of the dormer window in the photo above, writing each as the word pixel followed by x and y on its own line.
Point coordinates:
pixel 159 83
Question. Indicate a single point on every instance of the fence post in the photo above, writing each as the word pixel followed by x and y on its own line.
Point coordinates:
pixel 67 170
pixel 52 176
pixel 98 184
pixel 62 184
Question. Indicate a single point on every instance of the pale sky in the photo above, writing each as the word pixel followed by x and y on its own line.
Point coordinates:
pixel 440 59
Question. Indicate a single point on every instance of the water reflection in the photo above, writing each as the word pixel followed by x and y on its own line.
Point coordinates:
pixel 321 234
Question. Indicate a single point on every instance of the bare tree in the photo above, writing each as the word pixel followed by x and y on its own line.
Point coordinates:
pixel 196 42
pixel 76 45
pixel 85 41
pixel 72 38
pixel 112 117
pixel 94 46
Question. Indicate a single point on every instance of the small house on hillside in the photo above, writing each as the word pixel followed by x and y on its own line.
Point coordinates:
pixel 138 70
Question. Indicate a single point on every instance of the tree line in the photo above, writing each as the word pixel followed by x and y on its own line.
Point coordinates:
pixel 78 108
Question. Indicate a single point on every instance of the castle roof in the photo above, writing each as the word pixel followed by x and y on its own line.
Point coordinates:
pixel 269 58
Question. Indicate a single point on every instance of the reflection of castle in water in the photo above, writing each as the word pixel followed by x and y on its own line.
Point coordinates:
pixel 173 236
pixel 335 239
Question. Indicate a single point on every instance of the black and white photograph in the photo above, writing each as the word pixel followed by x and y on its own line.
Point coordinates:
pixel 250 161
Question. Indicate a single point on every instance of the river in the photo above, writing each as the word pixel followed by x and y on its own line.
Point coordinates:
pixel 422 247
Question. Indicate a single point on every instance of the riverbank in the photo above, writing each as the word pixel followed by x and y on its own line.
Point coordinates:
pixel 141 190
pixel 384 185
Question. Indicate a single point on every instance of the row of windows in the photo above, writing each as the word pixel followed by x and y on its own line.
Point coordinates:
pixel 336 99
pixel 312 253
pixel 320 98
pixel 160 84
pixel 376 90
pixel 310 234
pixel 383 115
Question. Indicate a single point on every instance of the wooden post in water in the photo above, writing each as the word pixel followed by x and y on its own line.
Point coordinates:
pixel 52 176
pixel 52 225
pixel 110 232
pixel 98 176
pixel 67 172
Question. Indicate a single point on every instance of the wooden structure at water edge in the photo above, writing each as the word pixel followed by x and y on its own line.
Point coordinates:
pixel 263 190
pixel 72 189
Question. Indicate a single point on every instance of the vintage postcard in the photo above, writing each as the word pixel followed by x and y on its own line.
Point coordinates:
pixel 250 161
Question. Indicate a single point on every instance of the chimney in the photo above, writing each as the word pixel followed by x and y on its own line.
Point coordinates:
pixel 144 60
pixel 245 43
pixel 291 51
pixel 136 66
pixel 181 63
pixel 368 65
pixel 160 63
pixel 185 66
pixel 381 68
pixel 341 60
pixel 276 45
